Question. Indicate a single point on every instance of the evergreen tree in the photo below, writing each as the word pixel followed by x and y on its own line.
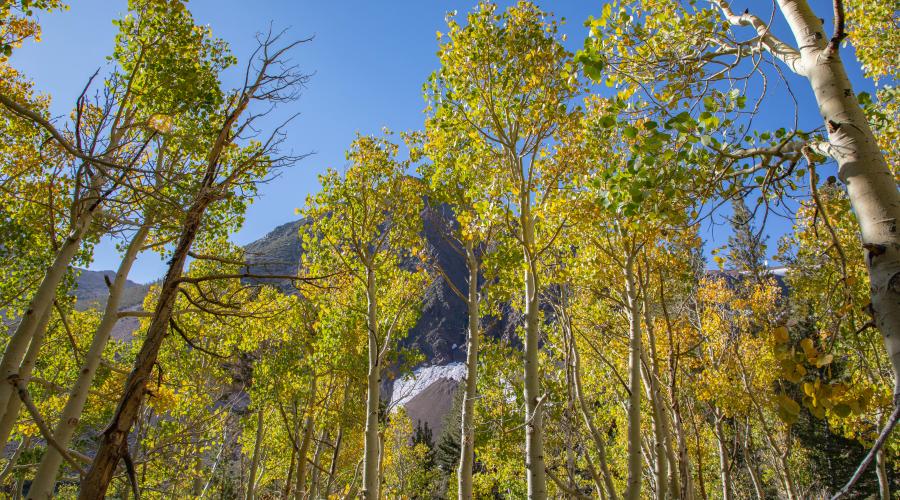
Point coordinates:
pixel 447 450
pixel 746 245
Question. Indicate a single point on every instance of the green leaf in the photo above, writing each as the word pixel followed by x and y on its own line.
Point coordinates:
pixel 842 410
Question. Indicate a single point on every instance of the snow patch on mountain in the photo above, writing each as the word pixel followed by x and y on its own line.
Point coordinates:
pixel 410 386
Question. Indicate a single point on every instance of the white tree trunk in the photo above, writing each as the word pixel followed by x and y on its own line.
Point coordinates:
pixel 254 461
pixel 29 326
pixel 371 483
pixel 724 466
pixel 633 487
pixel 45 479
pixel 665 456
pixel 534 418
pixel 884 483
pixel 316 465
pixel 8 422
pixel 861 165
pixel 308 429
pixel 599 441
pixel 467 432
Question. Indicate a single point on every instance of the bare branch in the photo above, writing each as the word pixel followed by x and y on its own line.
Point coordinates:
pixel 892 421
pixel 778 48
pixel 24 112
pixel 839 33
pixel 22 391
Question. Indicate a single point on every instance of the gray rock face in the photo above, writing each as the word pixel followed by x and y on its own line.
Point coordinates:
pixel 440 333
pixel 91 292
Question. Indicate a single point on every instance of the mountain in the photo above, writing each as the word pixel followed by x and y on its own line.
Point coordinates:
pixel 439 334
pixel 91 291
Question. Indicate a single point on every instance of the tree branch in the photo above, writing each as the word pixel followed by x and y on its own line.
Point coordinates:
pixel 26 113
pixel 22 391
pixel 871 455
pixel 839 34
pixel 778 48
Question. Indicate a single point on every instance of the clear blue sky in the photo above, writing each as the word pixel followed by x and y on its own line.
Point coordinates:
pixel 370 59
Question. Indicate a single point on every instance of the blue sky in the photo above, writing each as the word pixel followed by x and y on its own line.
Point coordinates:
pixel 369 59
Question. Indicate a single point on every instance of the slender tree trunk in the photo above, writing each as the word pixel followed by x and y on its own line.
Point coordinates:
pixel 289 483
pixel 884 484
pixel 316 469
pixel 684 460
pixel 467 432
pixel 633 489
pixel 114 442
pixel 45 479
pixel 371 483
pixel 534 414
pixel 661 427
pixel 257 448
pixel 30 324
pixel 599 441
pixel 750 462
pixel 308 429
pixel 697 438
pixel 724 466
pixel 336 454
pixel 8 422
pixel 861 165
pixel 18 486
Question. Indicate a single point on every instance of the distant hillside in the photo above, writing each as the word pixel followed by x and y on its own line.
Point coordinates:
pixel 91 292
pixel 440 333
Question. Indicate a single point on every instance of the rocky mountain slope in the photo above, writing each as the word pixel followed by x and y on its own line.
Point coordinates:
pixel 440 333
pixel 91 292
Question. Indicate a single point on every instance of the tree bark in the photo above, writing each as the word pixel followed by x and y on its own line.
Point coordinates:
pixel 30 324
pixel 633 488
pixel 8 422
pixel 884 484
pixel 534 414
pixel 316 469
pixel 750 462
pixel 608 486
pixel 371 476
pixel 861 165
pixel 289 483
pixel 114 441
pixel 467 432
pixel 336 454
pixel 682 486
pixel 661 425
pixel 257 448
pixel 871 186
pixel 45 478
pixel 724 466
pixel 308 429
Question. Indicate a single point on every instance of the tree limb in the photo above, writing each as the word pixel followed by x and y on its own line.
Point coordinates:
pixel 839 34
pixel 882 438
pixel 22 391
pixel 778 48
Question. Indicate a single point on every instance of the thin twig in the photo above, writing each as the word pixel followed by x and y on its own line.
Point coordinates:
pixel 132 477
pixel 871 455
pixel 22 391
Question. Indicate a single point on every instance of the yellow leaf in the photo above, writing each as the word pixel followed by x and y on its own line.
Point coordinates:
pixel 824 360
pixel 809 349
pixel 808 388
pixel 781 334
